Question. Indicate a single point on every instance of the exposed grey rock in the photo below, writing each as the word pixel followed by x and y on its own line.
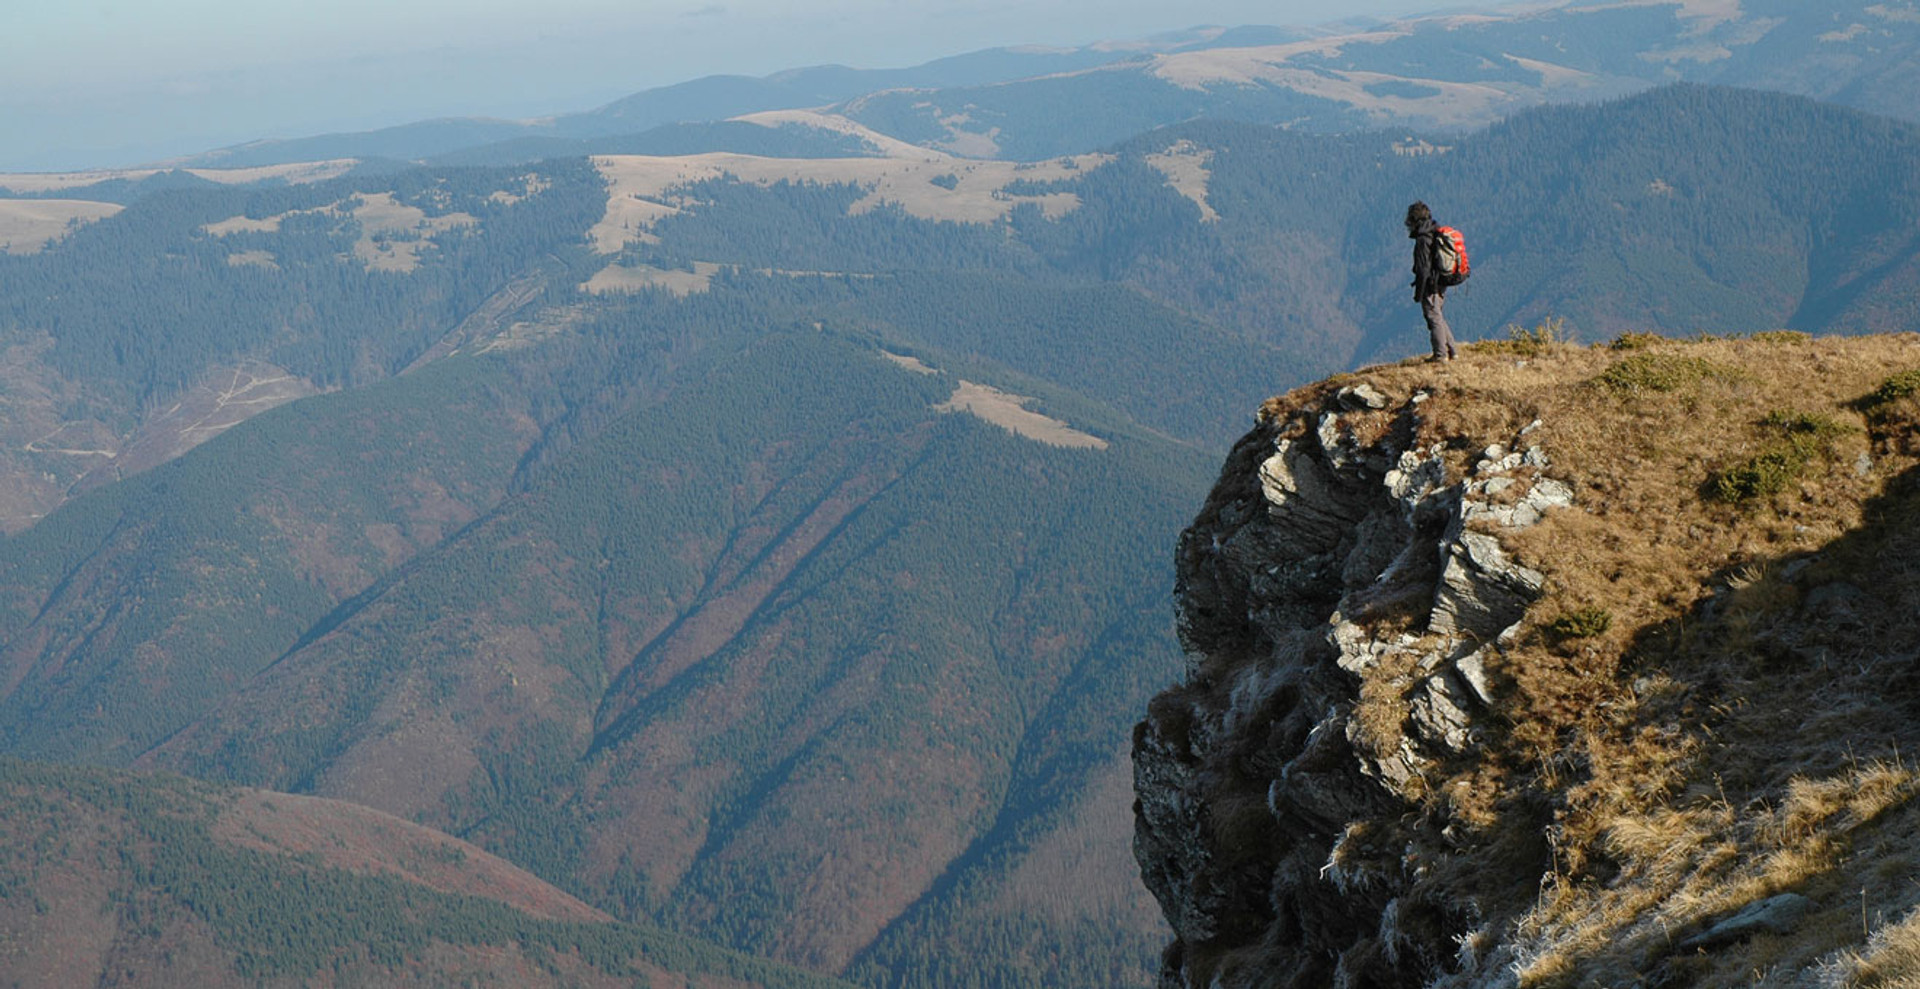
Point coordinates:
pixel 1305 498
pixel 1361 396
pixel 1439 711
pixel 1777 915
pixel 1482 592
pixel 1318 563
pixel 1416 476
pixel 1473 672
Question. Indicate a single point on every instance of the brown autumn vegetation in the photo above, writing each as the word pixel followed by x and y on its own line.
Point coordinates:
pixel 1715 700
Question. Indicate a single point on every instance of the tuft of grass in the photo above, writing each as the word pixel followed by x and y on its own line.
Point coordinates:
pixel 1635 341
pixel 1906 384
pixel 1582 624
pixel 1803 438
pixel 1817 425
pixel 1520 342
pixel 1660 373
pixel 1780 336
pixel 1762 475
pixel 1891 959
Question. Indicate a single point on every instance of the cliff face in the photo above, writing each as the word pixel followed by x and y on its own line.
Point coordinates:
pixel 1497 676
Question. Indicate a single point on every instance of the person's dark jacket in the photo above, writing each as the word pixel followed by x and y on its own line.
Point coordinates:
pixel 1426 275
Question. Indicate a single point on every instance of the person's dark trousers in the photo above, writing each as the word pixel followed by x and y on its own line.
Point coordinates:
pixel 1433 307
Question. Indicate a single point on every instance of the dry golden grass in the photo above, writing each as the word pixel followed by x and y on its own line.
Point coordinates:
pixel 642 190
pixel 1185 166
pixel 29 225
pixel 392 234
pixel 1009 412
pixel 624 279
pixel 1733 729
pixel 1891 959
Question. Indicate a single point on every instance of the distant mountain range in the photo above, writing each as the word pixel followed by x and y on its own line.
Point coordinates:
pixel 1439 73
pixel 774 549
pixel 769 543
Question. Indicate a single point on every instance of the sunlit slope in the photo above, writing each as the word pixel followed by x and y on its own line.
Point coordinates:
pixel 1553 666
pixel 765 662
pixel 133 610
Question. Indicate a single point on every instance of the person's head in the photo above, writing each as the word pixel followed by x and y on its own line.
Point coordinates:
pixel 1417 215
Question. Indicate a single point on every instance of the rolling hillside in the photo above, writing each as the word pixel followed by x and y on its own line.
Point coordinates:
pixel 1441 73
pixel 772 550
pixel 144 881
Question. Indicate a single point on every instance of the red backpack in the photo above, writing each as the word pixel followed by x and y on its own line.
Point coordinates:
pixel 1450 256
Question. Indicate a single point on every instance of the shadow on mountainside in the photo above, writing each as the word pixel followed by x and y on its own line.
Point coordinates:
pixel 1798 682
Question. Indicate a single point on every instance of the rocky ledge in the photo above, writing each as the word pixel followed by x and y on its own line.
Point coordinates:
pixel 1570 666
pixel 1335 544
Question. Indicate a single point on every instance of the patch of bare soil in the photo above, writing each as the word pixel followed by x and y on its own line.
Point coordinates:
pixel 253 259
pixel 484 323
pixel 914 364
pixel 1009 412
pixel 48 438
pixel 27 226
pixel 225 399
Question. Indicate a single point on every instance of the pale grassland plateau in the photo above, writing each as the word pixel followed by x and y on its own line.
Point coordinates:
pixel 1185 166
pixel 643 190
pixel 27 226
pixel 392 234
pixel 298 173
pixel 1009 412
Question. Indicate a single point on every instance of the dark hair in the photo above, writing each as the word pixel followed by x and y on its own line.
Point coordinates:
pixel 1418 213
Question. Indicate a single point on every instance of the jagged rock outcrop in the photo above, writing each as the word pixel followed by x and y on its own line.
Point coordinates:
pixel 1342 545
pixel 1559 666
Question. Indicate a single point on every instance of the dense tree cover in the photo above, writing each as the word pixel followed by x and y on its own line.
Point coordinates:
pixel 146 302
pixel 1021 671
pixel 133 611
pixel 288 916
pixel 1685 209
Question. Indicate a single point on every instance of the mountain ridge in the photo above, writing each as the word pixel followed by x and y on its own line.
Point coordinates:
pixel 1440 72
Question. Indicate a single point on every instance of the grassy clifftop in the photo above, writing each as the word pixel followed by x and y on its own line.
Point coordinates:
pixel 1663 669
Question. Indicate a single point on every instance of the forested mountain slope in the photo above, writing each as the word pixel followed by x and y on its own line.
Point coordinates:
pixel 772 549
pixel 1681 210
pixel 142 881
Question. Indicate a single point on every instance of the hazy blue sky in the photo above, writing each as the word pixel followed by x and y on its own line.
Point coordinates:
pixel 113 82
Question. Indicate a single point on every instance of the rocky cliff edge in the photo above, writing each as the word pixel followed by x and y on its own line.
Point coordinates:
pixel 1557 665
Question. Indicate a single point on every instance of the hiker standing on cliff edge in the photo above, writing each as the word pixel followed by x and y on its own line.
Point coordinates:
pixel 1429 280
